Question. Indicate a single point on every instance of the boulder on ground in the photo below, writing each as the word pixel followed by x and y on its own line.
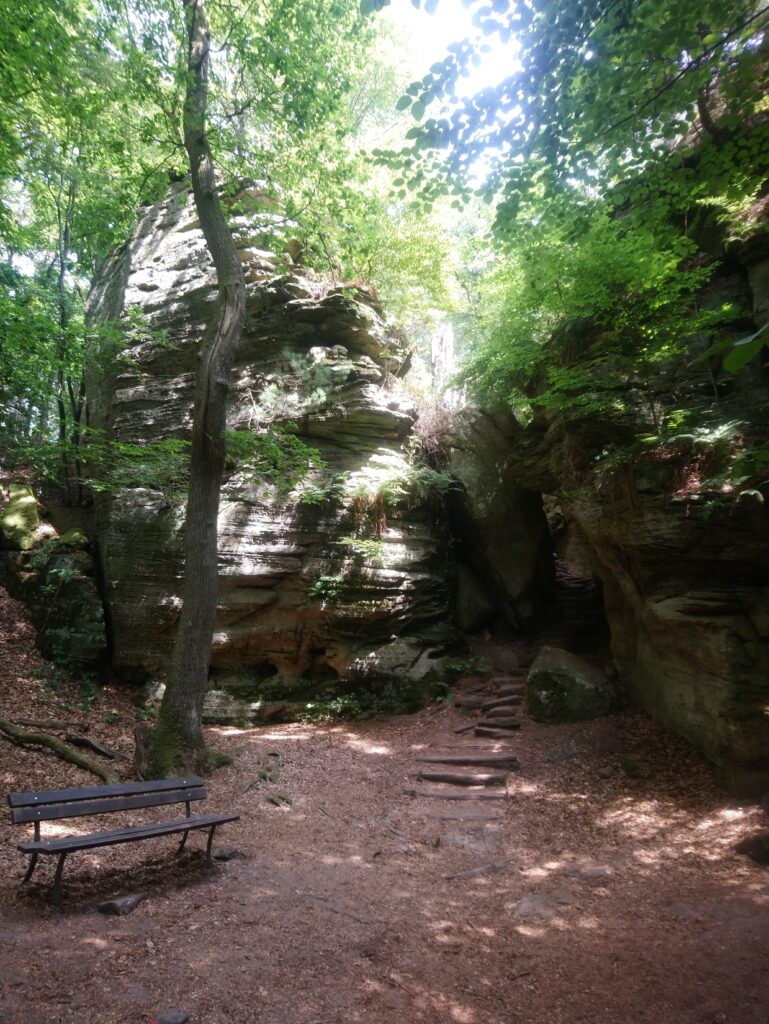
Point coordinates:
pixel 562 687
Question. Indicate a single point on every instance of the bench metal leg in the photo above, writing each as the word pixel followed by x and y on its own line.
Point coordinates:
pixel 30 869
pixel 56 890
pixel 210 842
pixel 182 843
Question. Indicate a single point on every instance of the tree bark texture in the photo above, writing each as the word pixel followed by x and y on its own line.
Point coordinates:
pixel 176 742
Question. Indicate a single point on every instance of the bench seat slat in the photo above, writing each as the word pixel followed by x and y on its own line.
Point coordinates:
pixel 83 808
pixel 63 796
pixel 125 835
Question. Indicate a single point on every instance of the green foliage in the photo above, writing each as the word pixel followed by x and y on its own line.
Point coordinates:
pixel 104 465
pixel 475 665
pixel 386 699
pixel 274 455
pixel 366 548
pixel 93 105
pixel 269 770
pixel 326 589
pixel 382 490
pixel 626 143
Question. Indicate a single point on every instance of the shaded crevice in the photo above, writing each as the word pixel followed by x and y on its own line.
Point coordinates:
pixel 485 597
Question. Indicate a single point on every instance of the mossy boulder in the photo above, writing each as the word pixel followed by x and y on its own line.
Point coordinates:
pixel 564 688
pixel 20 519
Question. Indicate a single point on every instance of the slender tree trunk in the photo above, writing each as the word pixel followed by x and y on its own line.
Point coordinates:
pixel 61 285
pixel 176 743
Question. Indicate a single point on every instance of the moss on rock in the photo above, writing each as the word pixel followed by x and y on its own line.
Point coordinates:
pixel 20 518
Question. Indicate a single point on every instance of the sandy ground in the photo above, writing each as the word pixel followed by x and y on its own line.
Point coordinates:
pixel 605 890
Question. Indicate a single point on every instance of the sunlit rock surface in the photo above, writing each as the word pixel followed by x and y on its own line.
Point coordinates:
pixel 343 579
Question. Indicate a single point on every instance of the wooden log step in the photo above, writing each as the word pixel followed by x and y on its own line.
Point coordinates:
pixel 465 728
pixel 511 701
pixel 459 794
pixel 471 702
pixel 508 722
pixel 477 817
pixel 512 689
pixel 495 733
pixel 466 778
pixel 472 760
pixel 506 712
pixel 483 747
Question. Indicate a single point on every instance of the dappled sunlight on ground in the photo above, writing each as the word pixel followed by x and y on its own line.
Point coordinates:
pixel 589 900
pixel 367 746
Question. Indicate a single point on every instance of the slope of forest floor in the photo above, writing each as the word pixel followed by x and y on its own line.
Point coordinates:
pixel 606 892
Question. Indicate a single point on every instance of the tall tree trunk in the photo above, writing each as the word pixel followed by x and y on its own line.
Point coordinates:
pixel 176 743
pixel 64 217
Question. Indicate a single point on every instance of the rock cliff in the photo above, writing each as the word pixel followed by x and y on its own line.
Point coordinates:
pixel 677 530
pixel 341 579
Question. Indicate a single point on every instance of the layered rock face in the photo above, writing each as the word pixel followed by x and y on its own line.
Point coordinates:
pixel 678 532
pixel 343 577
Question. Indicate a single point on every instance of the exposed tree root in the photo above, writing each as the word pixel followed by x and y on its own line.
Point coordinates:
pixel 41 739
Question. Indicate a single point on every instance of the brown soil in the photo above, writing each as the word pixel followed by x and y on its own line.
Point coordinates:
pixel 606 890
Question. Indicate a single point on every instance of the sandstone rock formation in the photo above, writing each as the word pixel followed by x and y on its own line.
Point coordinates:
pixel 564 688
pixel 678 533
pixel 343 578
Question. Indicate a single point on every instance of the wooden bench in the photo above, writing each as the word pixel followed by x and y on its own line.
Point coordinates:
pixel 55 804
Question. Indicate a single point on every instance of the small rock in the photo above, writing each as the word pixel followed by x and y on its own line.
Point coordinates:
pixel 172 1017
pixel 590 872
pixel 150 945
pixel 683 911
pixel 756 847
pixel 230 854
pixel 567 752
pixel 534 906
pixel 606 771
pixel 121 905
pixel 594 872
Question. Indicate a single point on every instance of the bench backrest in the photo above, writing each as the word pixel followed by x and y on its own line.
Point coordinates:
pixel 50 805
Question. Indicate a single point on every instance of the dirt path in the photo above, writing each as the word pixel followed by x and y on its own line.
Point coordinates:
pixel 604 890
